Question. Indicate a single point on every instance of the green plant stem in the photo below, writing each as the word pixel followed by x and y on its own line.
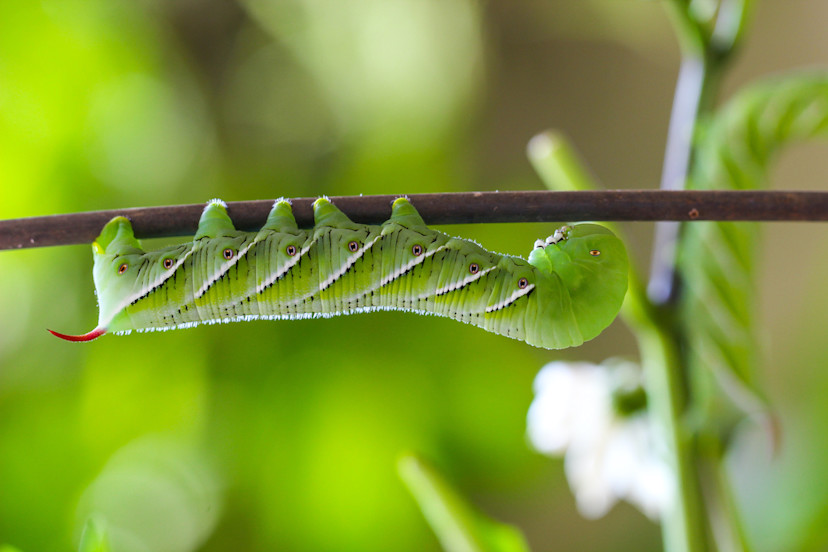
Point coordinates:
pixel 683 525
pixel 703 511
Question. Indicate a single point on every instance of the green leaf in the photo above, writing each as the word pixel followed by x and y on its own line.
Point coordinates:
pixel 458 525
pixel 717 259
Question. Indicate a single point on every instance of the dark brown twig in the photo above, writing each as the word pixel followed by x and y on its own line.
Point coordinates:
pixel 443 208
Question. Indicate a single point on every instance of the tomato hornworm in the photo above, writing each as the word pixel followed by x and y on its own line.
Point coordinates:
pixel 568 291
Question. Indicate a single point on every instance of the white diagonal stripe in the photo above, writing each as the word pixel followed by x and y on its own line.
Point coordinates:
pixel 284 268
pixel 348 263
pixel 517 294
pixel 408 266
pixel 222 270
pixel 462 283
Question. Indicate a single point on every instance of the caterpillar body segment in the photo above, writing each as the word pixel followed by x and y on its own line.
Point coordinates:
pixel 568 291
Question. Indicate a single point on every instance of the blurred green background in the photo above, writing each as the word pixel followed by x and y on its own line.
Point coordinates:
pixel 285 435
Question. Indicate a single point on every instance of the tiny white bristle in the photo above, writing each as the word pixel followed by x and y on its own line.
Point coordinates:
pixel 281 199
pixel 297 316
pixel 216 201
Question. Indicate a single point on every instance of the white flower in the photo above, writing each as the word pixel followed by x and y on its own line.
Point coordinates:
pixel 608 454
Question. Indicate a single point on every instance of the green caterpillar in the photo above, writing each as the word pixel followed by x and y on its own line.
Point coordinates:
pixel 570 289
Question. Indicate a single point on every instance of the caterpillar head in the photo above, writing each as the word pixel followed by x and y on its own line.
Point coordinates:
pixel 591 263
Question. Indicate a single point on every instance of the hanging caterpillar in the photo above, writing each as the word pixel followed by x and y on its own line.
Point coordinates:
pixel 569 290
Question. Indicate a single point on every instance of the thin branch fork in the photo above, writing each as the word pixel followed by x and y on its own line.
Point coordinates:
pixel 442 208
